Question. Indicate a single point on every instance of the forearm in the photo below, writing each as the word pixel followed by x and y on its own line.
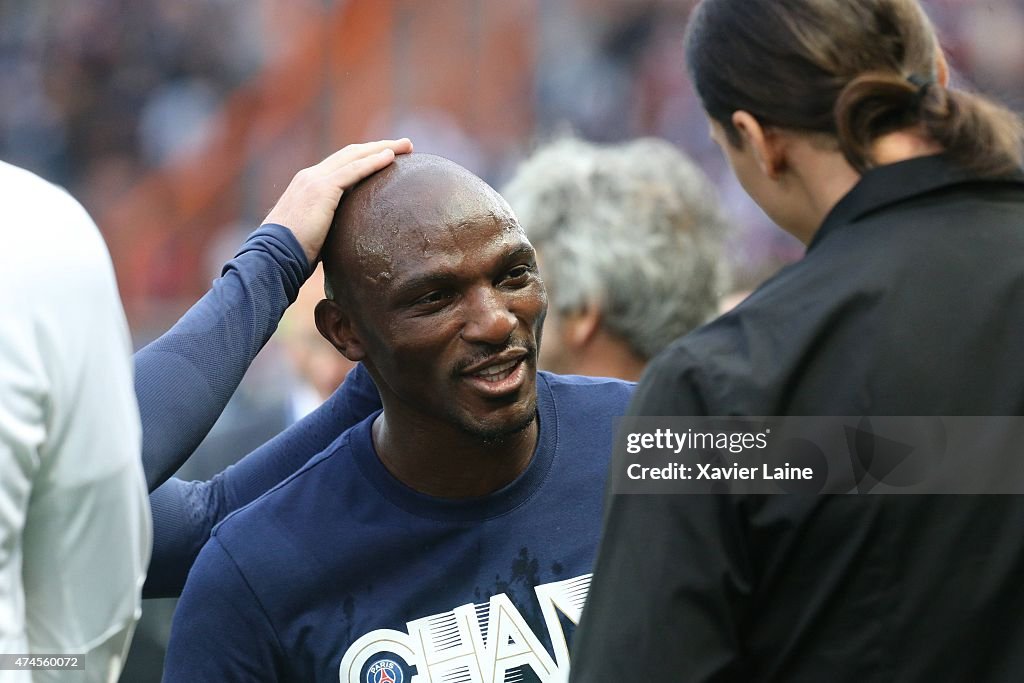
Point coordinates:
pixel 184 379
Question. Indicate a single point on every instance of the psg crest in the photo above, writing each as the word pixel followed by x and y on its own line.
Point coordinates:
pixel 385 671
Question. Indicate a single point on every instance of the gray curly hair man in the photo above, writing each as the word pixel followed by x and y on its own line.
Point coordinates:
pixel 629 238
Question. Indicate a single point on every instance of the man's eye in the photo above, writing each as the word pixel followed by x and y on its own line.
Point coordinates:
pixel 519 273
pixel 433 298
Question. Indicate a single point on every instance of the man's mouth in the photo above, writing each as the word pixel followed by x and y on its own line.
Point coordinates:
pixel 496 373
pixel 500 375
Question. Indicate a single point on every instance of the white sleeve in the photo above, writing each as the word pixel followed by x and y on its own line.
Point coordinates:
pixel 75 531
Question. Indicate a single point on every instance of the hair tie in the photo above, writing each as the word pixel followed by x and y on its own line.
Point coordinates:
pixel 922 83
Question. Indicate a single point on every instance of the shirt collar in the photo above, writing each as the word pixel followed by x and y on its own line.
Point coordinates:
pixel 893 183
pixel 482 508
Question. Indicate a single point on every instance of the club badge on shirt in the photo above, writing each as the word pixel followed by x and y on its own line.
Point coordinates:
pixel 385 670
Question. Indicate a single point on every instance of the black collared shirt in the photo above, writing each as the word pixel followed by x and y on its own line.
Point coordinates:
pixel 910 301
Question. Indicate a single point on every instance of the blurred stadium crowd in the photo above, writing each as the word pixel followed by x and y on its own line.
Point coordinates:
pixel 102 94
pixel 97 92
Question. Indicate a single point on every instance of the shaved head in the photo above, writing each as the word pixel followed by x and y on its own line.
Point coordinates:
pixel 407 205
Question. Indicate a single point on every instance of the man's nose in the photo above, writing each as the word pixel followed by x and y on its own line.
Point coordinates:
pixel 488 319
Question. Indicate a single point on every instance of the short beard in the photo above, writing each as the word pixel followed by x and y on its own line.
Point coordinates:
pixel 496 436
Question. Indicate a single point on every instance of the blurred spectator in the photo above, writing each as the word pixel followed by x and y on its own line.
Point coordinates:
pixel 318 368
pixel 629 243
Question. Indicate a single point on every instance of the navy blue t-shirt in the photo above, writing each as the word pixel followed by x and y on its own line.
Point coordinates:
pixel 343 573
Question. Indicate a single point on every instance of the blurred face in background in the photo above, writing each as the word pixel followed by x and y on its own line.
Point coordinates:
pixel 316 362
pixel 553 355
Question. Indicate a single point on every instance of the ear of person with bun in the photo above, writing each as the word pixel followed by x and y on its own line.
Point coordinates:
pixel 839 120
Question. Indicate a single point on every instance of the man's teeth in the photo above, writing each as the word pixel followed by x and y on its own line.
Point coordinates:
pixel 498 372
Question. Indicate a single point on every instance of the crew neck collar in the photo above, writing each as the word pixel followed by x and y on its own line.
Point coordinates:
pixel 492 505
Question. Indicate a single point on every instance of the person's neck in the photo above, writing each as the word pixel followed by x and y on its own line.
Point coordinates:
pixel 441 460
pixel 902 145
pixel 606 355
pixel 823 176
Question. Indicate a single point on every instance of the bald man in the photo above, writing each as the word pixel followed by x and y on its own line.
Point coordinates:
pixel 451 533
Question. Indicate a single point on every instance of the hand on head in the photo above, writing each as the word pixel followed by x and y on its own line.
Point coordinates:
pixel 308 205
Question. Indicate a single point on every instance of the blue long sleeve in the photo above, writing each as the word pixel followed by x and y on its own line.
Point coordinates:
pixel 184 379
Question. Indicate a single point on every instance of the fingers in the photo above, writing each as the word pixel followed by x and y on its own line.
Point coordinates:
pixel 359 152
pixel 354 171
pixel 308 204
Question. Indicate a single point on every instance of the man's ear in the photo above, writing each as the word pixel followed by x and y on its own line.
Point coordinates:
pixel 767 144
pixel 578 329
pixel 941 67
pixel 335 324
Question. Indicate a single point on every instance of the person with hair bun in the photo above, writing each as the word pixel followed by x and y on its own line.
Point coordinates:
pixel 838 119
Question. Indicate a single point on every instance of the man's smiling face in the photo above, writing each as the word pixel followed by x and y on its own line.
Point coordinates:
pixel 443 293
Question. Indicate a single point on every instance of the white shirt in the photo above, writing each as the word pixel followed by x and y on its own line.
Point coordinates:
pixel 75 529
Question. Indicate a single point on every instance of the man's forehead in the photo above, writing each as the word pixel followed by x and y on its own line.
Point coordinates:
pixel 451 249
pixel 418 189
pixel 422 211
pixel 439 226
pixel 426 205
